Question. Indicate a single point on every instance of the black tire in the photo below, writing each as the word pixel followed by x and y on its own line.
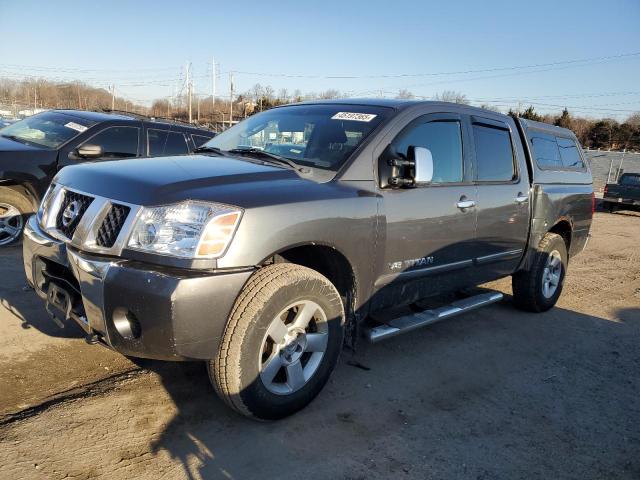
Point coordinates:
pixel 608 206
pixel 235 372
pixel 528 291
pixel 10 198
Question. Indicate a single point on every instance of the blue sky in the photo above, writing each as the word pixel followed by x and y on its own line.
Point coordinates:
pixel 142 47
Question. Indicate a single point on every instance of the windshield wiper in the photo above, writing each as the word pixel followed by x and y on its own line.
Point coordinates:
pixel 208 149
pixel 256 152
pixel 16 139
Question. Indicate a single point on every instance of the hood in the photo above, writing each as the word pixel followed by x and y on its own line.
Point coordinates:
pixel 8 145
pixel 26 164
pixel 163 180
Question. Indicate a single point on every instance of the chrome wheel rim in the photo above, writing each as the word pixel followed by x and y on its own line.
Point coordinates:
pixel 552 274
pixel 11 223
pixel 293 347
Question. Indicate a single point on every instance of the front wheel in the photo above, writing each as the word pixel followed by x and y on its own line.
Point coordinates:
pixel 281 343
pixel 538 289
pixel 14 209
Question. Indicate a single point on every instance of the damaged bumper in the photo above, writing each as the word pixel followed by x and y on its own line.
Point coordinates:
pixel 135 308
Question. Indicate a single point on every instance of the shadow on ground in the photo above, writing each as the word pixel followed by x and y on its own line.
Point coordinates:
pixel 23 303
pixel 495 394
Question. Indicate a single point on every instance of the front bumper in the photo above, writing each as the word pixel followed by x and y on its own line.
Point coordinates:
pixel 627 202
pixel 180 314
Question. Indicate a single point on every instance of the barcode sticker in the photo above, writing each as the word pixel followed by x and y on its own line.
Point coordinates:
pixel 75 126
pixel 356 117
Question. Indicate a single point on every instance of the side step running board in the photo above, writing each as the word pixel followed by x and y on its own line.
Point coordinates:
pixel 416 320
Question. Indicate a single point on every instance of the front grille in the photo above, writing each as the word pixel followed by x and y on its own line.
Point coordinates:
pixel 111 225
pixel 71 211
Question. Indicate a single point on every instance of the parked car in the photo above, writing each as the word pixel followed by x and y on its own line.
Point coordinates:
pixel 33 150
pixel 261 264
pixel 624 194
pixel 5 122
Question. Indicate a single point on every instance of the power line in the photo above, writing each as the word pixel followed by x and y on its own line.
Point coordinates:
pixel 459 72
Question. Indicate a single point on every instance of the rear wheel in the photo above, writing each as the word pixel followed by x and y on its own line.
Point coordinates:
pixel 539 288
pixel 14 209
pixel 281 343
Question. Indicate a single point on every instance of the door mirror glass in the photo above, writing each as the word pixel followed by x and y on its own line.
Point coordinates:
pixel 90 151
pixel 423 165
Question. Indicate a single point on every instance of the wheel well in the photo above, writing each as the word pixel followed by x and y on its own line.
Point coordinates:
pixel 563 228
pixel 23 191
pixel 329 262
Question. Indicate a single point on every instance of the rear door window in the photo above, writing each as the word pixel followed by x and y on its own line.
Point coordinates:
pixel 630 180
pixel 199 140
pixel 116 142
pixel 545 150
pixel 569 153
pixel 164 142
pixel 494 154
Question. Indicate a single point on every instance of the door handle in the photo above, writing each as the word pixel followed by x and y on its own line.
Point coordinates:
pixel 522 198
pixel 462 204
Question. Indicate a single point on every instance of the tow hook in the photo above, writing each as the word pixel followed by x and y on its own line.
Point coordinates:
pixel 92 338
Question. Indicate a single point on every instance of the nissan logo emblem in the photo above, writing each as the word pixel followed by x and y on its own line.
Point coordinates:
pixel 70 213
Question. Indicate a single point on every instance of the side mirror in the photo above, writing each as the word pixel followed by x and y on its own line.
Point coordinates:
pixel 89 151
pixel 423 165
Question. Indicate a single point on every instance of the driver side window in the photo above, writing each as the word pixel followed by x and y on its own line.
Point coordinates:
pixel 444 139
pixel 116 142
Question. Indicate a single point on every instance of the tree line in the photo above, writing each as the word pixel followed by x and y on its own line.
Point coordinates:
pixel 603 133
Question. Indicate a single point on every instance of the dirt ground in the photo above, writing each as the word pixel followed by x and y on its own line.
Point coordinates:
pixel 493 394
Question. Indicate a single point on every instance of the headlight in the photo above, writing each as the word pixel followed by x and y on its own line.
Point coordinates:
pixel 189 229
pixel 43 209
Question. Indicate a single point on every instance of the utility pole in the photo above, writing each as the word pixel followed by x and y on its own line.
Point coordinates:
pixel 189 89
pixel 168 107
pixel 35 98
pixel 113 97
pixel 231 99
pixel 198 100
pixel 213 87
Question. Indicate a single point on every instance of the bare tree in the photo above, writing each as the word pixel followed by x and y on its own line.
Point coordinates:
pixel 492 108
pixel 283 95
pixel 405 94
pixel 634 120
pixel 451 96
pixel 331 93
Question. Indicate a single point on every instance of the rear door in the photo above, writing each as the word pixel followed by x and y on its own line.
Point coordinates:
pixel 502 183
pixel 429 229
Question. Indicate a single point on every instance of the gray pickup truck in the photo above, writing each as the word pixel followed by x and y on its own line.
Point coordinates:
pixel 303 228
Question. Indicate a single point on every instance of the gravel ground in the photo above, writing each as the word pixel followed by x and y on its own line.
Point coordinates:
pixel 494 394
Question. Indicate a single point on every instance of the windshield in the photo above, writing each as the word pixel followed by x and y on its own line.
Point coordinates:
pixel 47 129
pixel 321 136
pixel 630 180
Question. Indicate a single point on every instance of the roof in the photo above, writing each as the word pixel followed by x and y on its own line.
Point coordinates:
pixel 547 127
pixel 96 116
pixel 110 115
pixel 398 104
pixel 374 102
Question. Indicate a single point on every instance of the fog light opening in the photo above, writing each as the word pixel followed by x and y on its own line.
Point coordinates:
pixel 126 324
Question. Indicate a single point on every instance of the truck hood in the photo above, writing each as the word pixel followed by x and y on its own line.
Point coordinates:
pixel 8 145
pixel 163 180
pixel 20 163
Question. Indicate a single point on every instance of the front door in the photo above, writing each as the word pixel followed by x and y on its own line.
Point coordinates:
pixel 430 230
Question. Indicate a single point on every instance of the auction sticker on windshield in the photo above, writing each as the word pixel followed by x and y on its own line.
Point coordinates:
pixel 357 117
pixel 75 126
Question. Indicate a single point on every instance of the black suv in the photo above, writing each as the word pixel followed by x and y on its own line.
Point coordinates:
pixel 33 150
